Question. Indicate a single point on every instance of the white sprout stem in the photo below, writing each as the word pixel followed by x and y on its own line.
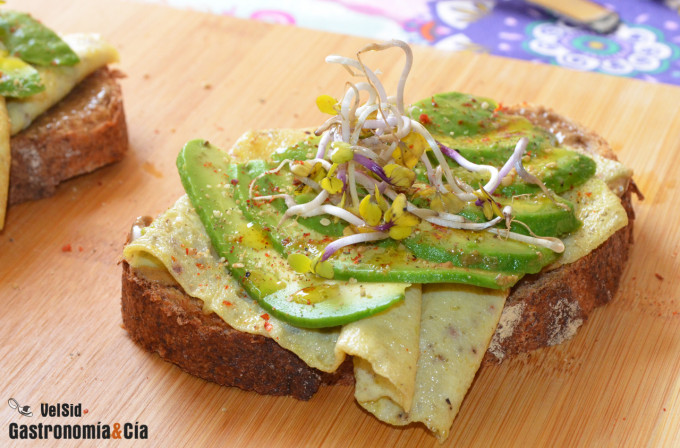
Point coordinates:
pixel 420 129
pixel 430 171
pixel 405 71
pixel 360 123
pixel 272 197
pixel 334 120
pixel 405 128
pixel 464 225
pixel 357 99
pixel 366 152
pixel 528 177
pixel 554 244
pixel 336 211
pixel 303 208
pixel 387 152
pixel 349 62
pixel 374 124
pixel 372 94
pixel 347 110
pixel 352 239
pixel 290 200
pixel 402 123
pixel 323 144
pixel 516 156
pixel 310 183
pixel 493 172
pixel 351 174
pixel 451 217
pixel 438 184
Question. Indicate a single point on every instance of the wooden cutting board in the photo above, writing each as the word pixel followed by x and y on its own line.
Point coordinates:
pixel 195 75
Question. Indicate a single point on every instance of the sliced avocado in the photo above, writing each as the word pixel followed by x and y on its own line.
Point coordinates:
pixel 373 263
pixel 543 216
pixel 18 79
pixel 282 183
pixel 481 250
pixel 474 127
pixel 302 300
pixel 28 39
pixel 328 305
pixel 305 149
pixel 560 169
pixel 471 126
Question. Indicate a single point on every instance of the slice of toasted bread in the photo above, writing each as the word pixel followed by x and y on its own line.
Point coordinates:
pixel 543 309
pixel 83 132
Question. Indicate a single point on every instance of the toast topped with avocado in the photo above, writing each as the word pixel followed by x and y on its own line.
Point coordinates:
pixel 420 242
pixel 61 111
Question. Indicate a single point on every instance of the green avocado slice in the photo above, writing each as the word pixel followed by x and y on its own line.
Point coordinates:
pixel 543 216
pixel 485 135
pixel 28 39
pixel 18 79
pixel 481 250
pixel 473 126
pixel 302 300
pixel 378 262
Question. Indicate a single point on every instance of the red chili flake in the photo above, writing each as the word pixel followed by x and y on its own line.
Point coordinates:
pixel 200 266
pixel 234 181
pixel 265 316
pixel 424 119
pixel 66 248
pixel 659 276
pixel 173 258
pixel 85 411
pixel 227 303
pixel 80 248
pixel 434 103
pixel 187 250
pixel 268 326
pixel 499 107
pixel 589 194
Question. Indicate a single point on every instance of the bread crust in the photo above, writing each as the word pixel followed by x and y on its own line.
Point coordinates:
pixel 84 131
pixel 542 309
pixel 162 318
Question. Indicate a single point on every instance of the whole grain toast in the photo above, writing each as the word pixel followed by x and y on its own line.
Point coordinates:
pixel 542 309
pixel 84 131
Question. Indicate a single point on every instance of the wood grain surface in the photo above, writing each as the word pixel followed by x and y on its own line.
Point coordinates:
pixel 190 75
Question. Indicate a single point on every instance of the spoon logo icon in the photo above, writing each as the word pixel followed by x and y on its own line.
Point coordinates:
pixel 23 410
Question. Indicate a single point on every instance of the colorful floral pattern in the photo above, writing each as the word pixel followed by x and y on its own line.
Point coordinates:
pixel 630 51
pixel 645 46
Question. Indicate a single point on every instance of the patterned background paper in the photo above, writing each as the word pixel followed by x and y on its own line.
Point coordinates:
pixel 646 45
